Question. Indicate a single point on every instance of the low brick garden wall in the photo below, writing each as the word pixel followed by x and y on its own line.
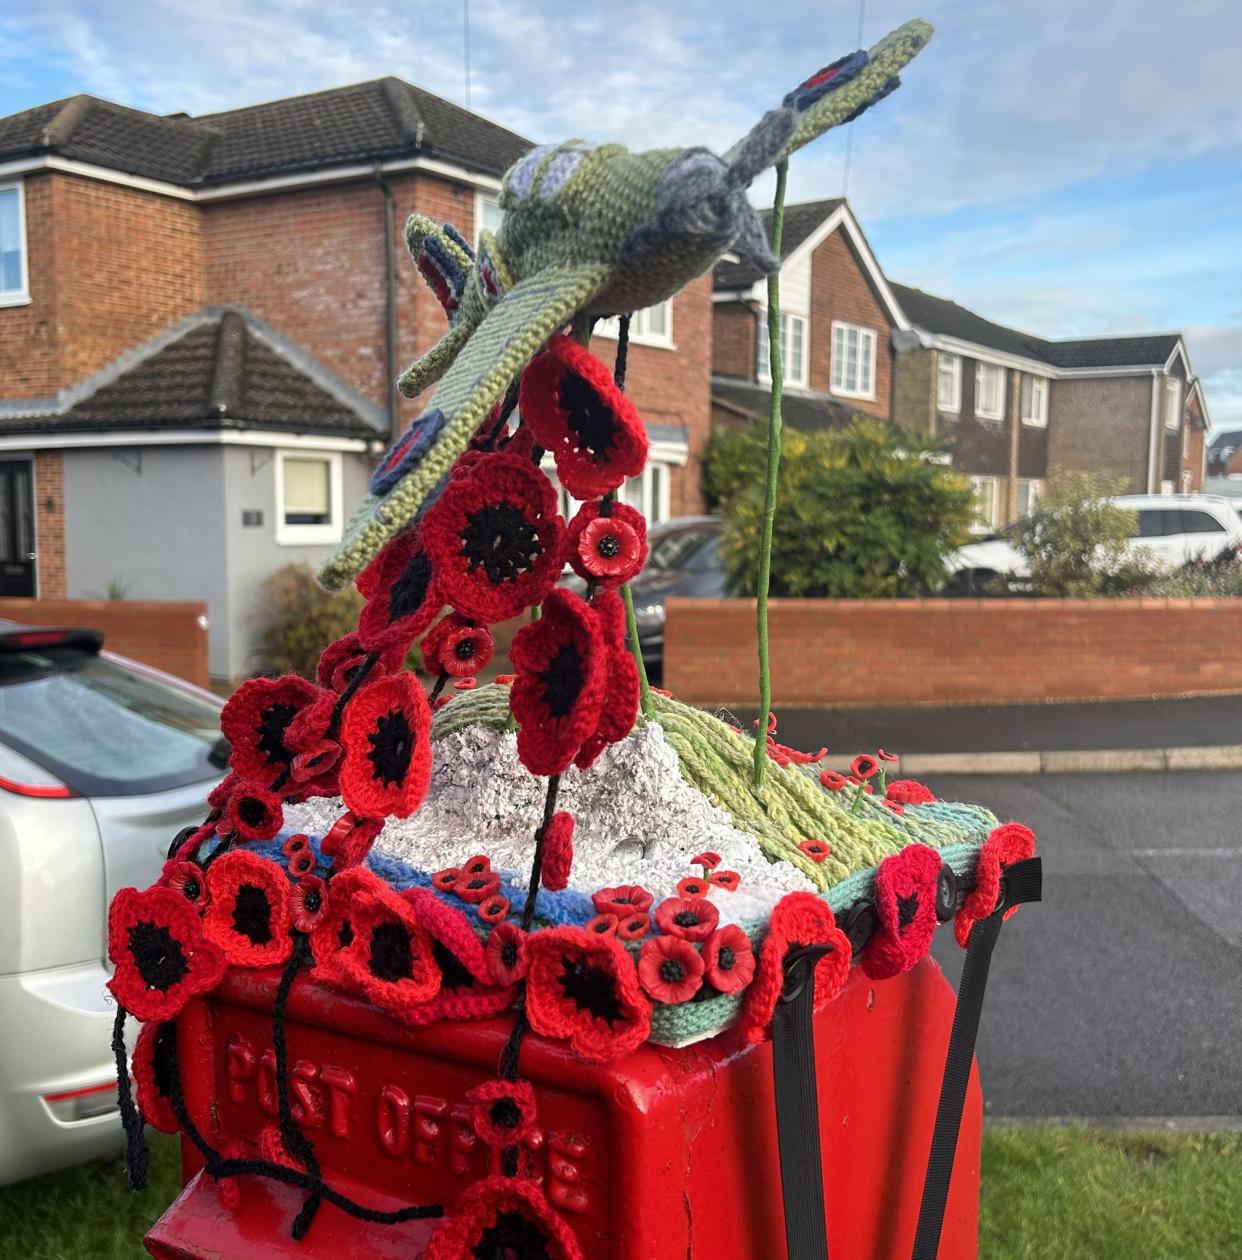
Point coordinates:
pixel 168 635
pixel 954 651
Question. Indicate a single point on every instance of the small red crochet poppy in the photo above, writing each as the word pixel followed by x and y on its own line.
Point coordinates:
pixel 606 548
pixel 255 720
pixel 494 909
pixel 349 840
pixel 864 766
pixel 152 1080
pixel 728 960
pixel 299 842
pixel 457 646
pixel 503 1216
pixel 693 887
pixel 728 880
pixel 386 736
pixel 603 924
pixel 798 919
pixel 476 889
pixel 465 684
pixel 456 947
pixel 905 903
pixel 495 539
pixel 506 953
pixel 480 864
pixel 250 915
pixel 575 411
pixel 558 851
pixel 583 988
pixel 669 969
pixel 334 930
pixel 162 957
pixel 692 918
pixel 188 879
pixel 219 795
pixel 308 903
pixel 1009 843
pixel 446 880
pixel 623 900
pixel 633 927
pixel 399 586
pixel 620 708
pixel 562 674
pixel 341 660
pixel 816 850
pixel 301 864
pixel 707 859
pixel 833 781
pixel 886 756
pixel 909 792
pixel 503 1112
pixel 254 812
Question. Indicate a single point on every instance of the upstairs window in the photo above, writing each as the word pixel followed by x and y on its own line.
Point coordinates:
pixel 12 245
pixel 487 214
pixel 308 498
pixel 985 504
pixel 1034 400
pixel 948 381
pixel 793 348
pixel 853 361
pixel 989 391
pixel 652 326
pixel 1173 404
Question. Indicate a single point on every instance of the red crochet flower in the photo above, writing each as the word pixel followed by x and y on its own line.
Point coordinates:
pixel 152 1079
pixel 634 927
pixel 495 539
pixel 625 899
pixel 255 720
pixel 297 843
pixel 816 850
pixel 334 930
pixel 349 840
pixel 669 969
pixel 558 851
pixel 620 708
pixel 457 646
pixel 562 673
pixel 692 918
pixel 886 756
pixel 607 548
pixel 1008 843
pixel 162 958
pixel 219 795
pixel 728 959
pixel 446 880
pixel 728 880
pixel 309 903
pixel 905 903
pixel 494 909
pixel 693 887
pixel 575 410
pixel 584 988
pixel 500 1217
pixel 603 924
pixel 798 919
pixel 480 864
pixel 864 766
pixel 188 879
pixel 249 916
pixel 476 889
pixel 503 1112
pixel 909 792
pixel 301 864
pixel 342 659
pixel 386 736
pixel 400 589
pixel 254 812
pixel 506 953
pixel 707 859
pixel 465 684
pixel 833 781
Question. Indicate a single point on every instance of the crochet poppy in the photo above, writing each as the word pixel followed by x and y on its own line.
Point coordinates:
pixel 219 795
pixel 494 909
pixel 188 879
pixel 308 903
pixel 299 842
pixel 301 864
pixel 575 411
pixel 620 708
pixel 386 736
pixel 152 1078
pixel 583 988
pixel 728 960
pixel 562 673
pixel 558 851
pixel 476 889
pixel 1008 843
pixel 465 684
pixel 349 840
pixel 886 756
pixel 162 958
pixel 728 880
pixel 495 539
pixel 799 919
pixel 446 880
pixel 457 646
pixel 905 903
pixel 603 924
pixel 254 812
pixel 669 969
pixel 341 660
pixel 606 548
pixel 625 899
pixel 255 720
pixel 503 1112
pixel 480 864
pixel 389 955
pixel 833 781
pixel 864 766
pixel 816 850
pixel 694 919
pixel 250 915
pixel 634 927
pixel 506 953
pixel 334 931
pixel 499 1217
pixel 706 859
pixel 693 887
pixel 399 586
pixel 909 792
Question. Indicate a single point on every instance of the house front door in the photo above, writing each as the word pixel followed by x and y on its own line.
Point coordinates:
pixel 17 549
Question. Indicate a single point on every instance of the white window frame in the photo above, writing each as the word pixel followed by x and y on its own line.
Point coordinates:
pixel 639 334
pixel 482 199
pixel 1035 492
pixel 980 367
pixel 1039 417
pixel 656 505
pixel 311 535
pixel 985 524
pixel 20 296
pixel 866 341
pixel 1173 404
pixel 946 358
pixel 763 363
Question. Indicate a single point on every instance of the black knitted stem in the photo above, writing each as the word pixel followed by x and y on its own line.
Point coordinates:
pixel 536 866
pixel 506 410
pixel 623 352
pixel 439 687
pixel 131 1121
pixel 354 683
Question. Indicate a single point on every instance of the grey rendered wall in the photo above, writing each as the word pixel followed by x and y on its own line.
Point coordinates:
pixel 151 520
pixel 1103 426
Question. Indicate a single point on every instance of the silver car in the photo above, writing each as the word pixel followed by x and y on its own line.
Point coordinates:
pixel 102 762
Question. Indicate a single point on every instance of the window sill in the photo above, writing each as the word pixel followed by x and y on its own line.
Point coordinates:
pixel 949 411
pixel 308 535
pixel 14 299
pixel 989 415
pixel 636 339
pixel 1031 423
pixel 847 393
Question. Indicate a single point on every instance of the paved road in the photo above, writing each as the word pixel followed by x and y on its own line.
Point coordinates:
pixel 1121 994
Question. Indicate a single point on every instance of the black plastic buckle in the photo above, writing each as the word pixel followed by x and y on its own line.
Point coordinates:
pixel 946 893
pixel 800 967
pixel 859 923
pixel 179 839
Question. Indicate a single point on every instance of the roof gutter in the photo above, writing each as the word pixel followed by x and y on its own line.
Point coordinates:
pixel 390 299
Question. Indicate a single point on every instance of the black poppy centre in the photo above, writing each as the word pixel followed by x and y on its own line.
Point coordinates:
pixel 725 958
pixel 453 973
pixel 562 680
pixel 907 908
pixel 505 1113
pixel 392 746
pixel 512 1237
pixel 252 811
pixel 466 648
pixel 273 721
pixel 687 918
pixel 672 971
pixel 158 955
pixel 590 988
pixel 410 589
pixel 252 914
pixel 608 546
pixel 592 421
pixel 502 541
pixel 391 953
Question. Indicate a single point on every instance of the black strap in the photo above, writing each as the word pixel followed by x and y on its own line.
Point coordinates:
pixel 1022 882
pixel 797 1108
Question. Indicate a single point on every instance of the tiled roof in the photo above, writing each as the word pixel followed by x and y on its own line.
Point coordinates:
pixel 384 118
pixel 1102 352
pixel 799 222
pixel 800 409
pixel 220 369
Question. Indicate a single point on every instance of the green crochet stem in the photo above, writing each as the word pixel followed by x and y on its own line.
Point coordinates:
pixel 777 369
pixel 631 625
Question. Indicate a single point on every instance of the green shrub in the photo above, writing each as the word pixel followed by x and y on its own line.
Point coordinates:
pixel 297 618
pixel 1077 544
pixel 1200 580
pixel 861 512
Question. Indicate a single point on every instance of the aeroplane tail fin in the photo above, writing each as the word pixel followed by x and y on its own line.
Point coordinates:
pixel 444 260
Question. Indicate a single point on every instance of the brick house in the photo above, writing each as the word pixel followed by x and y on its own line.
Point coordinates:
pixel 220 304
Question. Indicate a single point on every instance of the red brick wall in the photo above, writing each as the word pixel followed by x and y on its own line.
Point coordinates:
pixel 49 496
pixel 840 290
pixel 166 635
pixel 28 363
pixel 955 651
pixel 733 340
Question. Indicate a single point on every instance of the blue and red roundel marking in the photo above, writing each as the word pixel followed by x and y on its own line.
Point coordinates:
pixel 407 450
pixel 824 81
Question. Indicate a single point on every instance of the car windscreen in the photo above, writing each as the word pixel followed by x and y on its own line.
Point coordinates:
pixel 673 549
pixel 104 729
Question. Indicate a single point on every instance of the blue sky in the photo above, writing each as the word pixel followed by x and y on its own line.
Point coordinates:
pixel 1070 168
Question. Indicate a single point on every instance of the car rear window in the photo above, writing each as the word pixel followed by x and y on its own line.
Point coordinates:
pixel 673 549
pixel 105 729
pixel 1200 523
